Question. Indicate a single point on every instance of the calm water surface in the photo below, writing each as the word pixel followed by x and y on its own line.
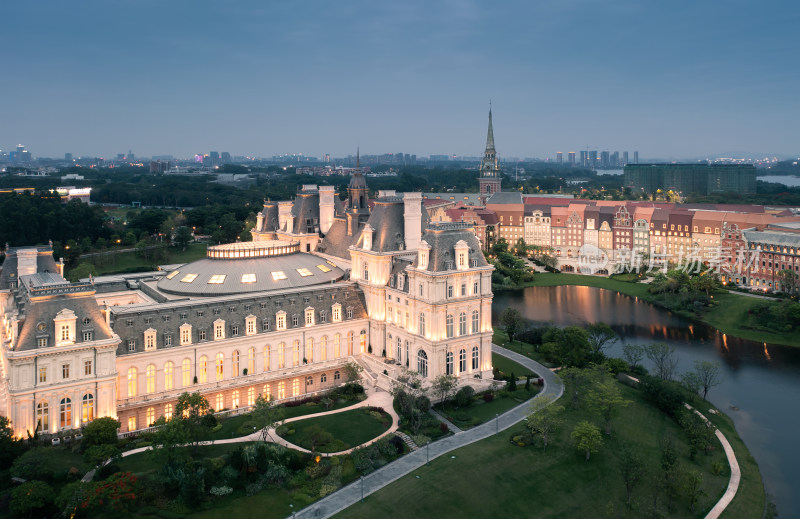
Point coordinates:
pixel 761 382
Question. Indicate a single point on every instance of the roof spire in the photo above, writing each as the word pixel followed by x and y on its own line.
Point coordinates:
pixel 490 133
pixel 358 157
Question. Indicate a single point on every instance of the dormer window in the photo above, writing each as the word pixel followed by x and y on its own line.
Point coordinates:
pixel 149 339
pixel 336 312
pixel 65 327
pixel 309 316
pixel 280 320
pixel 423 255
pixel 186 334
pixel 250 325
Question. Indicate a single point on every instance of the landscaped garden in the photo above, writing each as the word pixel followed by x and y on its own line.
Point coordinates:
pixel 337 432
pixel 485 406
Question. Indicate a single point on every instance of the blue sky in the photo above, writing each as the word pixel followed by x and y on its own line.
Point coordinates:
pixel 670 79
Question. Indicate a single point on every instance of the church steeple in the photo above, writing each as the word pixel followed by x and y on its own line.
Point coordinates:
pixel 490 176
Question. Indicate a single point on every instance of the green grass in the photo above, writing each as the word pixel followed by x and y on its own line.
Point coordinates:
pixel 143 462
pixel 512 481
pixel 131 261
pixel 728 314
pixel 349 429
pixel 508 366
pixel 480 412
pixel 523 348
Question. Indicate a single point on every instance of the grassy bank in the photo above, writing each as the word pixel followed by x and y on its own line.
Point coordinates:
pixel 347 430
pixel 134 262
pixel 727 315
pixel 525 481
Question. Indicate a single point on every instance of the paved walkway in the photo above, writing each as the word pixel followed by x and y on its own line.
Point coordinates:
pixel 352 493
pixel 453 428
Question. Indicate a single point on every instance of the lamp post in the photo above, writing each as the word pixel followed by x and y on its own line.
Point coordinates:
pixel 428 453
pixel 362 489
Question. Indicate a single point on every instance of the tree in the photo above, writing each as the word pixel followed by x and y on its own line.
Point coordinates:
pixel 691 381
pixel 190 409
pixel 788 280
pixel 444 386
pixel 633 354
pixel 82 271
pixel 578 379
pixel 544 418
pixel 10 447
pixel 512 383
pixel 267 415
pixel 663 357
pixel 98 454
pixel 30 497
pixel 317 436
pixel 606 399
pixel 352 371
pixel 692 482
pixel 511 321
pixel 101 431
pixel 708 374
pixel 182 237
pixel 601 337
pixel 567 346
pixel 587 438
pixel 631 467
pixel 170 436
pixel 464 396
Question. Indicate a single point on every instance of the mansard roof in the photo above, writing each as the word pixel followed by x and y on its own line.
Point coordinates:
pixel 443 238
pixel 11 265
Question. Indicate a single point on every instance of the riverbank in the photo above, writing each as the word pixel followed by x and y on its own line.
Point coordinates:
pixel 727 315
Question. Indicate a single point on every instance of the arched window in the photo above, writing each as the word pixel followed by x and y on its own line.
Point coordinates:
pixel 399 356
pixel 202 370
pixel 281 355
pixel 281 390
pixel 150 416
pixel 449 325
pixel 132 386
pixel 462 361
pixel 251 396
pixel 266 358
pixel 296 387
pixel 337 339
pixel 220 404
pixel 66 412
pixel 421 327
pixel 168 412
pixel 462 323
pixel 448 363
pixel 235 363
pixel 475 357
pixel 235 399
pixel 422 363
pixel 267 392
pixel 323 348
pixel 475 322
pixel 219 365
pixel 186 372
pixel 309 350
pixel 349 343
pixel 251 361
pixel 362 338
pixel 87 408
pixel 336 375
pixel 309 382
pixel 42 417
pixel 150 379
pixel 296 353
pixel 168 381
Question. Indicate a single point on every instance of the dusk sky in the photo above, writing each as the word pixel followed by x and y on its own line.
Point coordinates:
pixel 673 79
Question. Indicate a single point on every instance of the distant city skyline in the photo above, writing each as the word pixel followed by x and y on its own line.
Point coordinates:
pixel 677 80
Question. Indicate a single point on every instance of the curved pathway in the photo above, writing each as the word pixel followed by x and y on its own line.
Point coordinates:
pixel 352 493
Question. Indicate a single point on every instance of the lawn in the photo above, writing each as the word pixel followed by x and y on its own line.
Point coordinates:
pixel 508 366
pixel 132 261
pixel 349 429
pixel 480 411
pixel 514 481
pixel 143 462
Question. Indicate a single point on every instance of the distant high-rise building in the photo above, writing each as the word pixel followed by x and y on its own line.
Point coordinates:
pixel 571 158
pixel 635 157
pixel 68 157
pixel 614 160
pixel 624 157
pixel 559 157
pixel 593 159
pixel 703 179
pixel 584 159
pixel 225 157
pixel 131 156
pixel 605 162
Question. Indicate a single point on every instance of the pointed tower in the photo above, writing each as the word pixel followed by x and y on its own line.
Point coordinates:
pixel 490 178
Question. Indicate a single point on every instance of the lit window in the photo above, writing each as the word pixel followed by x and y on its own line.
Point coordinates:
pixel 188 278
pixel 304 272
pixel 324 268
pixel 329 262
pixel 168 412
pixel 217 279
pixel 248 278
pixel 173 274
pixel 279 275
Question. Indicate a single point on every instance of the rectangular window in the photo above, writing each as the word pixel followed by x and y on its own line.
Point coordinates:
pixel 304 272
pixel 235 330
pixel 295 320
pixel 42 374
pixel 188 278
pixel 41 342
pixel 87 336
pixel 248 278
pixel 217 279
pixel 129 322
pixel 450 291
pixel 277 276
pixel 324 268
pixel 200 313
pixel 168 340
pixel 463 289
pixel 201 335
pixel 475 287
pixel 131 344
pixel 87 367
pixel 65 371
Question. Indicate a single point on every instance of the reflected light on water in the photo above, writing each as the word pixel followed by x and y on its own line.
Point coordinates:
pixel 766 352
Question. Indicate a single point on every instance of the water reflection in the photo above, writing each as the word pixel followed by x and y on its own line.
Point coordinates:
pixel 761 386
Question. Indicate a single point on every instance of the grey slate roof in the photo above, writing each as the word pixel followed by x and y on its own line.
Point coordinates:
pixel 442 239
pixel 234 269
pixel 387 221
pixel 505 197
pixel 306 213
pixel 336 242
pixel 787 239
pixel 44 263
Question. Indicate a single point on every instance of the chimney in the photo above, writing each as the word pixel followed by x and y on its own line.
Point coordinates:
pixel 259 222
pixel 326 208
pixel 413 219
pixel 284 211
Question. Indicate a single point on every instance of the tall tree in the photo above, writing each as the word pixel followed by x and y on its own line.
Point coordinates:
pixel 601 337
pixel 606 398
pixel 709 375
pixel 266 415
pixel 664 359
pixel 191 408
pixel 789 281
pixel 545 418
pixel 511 321
pixel 631 467
pixel 633 354
pixel 444 386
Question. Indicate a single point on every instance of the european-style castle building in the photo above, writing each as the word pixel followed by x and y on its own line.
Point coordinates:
pixel 322 283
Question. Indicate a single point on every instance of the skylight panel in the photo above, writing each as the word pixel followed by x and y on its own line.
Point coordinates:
pixel 173 274
pixel 217 279
pixel 278 275
pixel 248 278
pixel 188 278
pixel 324 268
pixel 304 272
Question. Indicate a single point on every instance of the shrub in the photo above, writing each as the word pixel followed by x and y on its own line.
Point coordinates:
pixel 423 403
pixel 220 491
pixel 512 384
pixel 488 396
pixel 464 396
pixel 443 427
